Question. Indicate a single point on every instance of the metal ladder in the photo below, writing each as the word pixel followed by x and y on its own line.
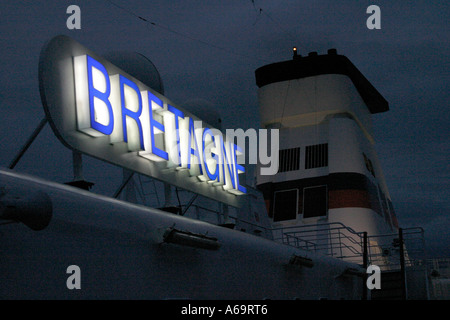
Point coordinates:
pixel 148 189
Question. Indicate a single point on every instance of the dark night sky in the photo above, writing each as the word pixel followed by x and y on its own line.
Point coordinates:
pixel 210 49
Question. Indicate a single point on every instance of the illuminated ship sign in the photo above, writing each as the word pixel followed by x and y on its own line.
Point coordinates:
pixel 98 109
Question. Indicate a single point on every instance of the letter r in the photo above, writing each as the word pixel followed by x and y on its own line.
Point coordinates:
pixel 129 113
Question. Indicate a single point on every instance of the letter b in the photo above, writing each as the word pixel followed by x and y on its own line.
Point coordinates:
pixel 102 118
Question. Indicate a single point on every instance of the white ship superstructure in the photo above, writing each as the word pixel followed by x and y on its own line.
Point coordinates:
pixel 328 168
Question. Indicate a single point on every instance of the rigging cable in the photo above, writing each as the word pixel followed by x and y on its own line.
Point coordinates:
pixel 261 10
pixel 284 103
pixel 185 35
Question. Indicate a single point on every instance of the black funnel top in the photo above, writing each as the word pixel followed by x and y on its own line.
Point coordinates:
pixel 313 65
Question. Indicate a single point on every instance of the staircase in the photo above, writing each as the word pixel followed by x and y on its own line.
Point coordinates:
pixel 391 287
pixel 148 191
pixel 403 273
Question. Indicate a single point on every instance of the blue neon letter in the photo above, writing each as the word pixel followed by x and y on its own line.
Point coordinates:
pixel 194 152
pixel 103 96
pixel 227 160
pixel 213 155
pixel 238 168
pixel 177 113
pixel 155 124
pixel 127 112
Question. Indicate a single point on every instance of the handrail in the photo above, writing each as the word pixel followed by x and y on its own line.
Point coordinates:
pixel 320 225
pixel 340 241
pixel 343 242
pixel 334 239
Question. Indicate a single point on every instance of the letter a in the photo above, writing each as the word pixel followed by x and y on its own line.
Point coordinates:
pixel 374 21
pixel 373 281
pixel 74 21
pixel 74 281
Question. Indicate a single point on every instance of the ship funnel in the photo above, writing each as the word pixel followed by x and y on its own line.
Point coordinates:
pixel 32 209
pixel 328 169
